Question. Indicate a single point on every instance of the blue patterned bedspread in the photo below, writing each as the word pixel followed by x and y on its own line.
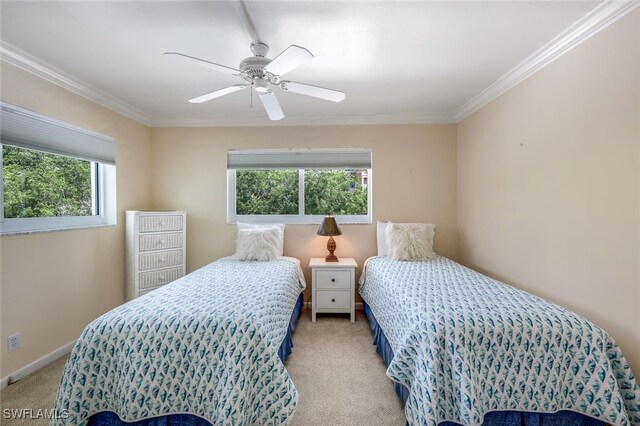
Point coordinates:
pixel 206 344
pixel 466 344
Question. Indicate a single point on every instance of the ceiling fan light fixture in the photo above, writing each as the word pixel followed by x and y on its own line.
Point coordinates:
pixel 261 86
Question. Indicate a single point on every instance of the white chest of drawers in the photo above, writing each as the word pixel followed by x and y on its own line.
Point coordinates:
pixel 333 286
pixel 156 250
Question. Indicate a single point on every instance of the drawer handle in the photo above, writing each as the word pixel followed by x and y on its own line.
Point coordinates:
pixel 161 277
pixel 333 300
pixel 161 260
pixel 161 224
pixel 333 280
pixel 161 242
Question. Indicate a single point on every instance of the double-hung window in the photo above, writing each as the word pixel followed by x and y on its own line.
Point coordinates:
pixel 54 175
pixel 299 185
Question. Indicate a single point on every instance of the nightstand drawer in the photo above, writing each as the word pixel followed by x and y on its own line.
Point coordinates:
pixel 333 279
pixel 328 299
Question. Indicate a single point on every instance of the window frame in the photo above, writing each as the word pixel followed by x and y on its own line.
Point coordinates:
pixel 103 194
pixel 300 218
pixel 62 139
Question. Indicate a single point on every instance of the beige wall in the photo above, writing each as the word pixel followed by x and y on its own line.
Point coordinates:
pixel 549 184
pixel 414 180
pixel 53 284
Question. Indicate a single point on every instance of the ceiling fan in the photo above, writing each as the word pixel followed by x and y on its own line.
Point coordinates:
pixel 263 74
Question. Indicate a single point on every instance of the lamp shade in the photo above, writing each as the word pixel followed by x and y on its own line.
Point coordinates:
pixel 329 227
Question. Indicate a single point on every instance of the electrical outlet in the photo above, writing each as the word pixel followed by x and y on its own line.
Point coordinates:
pixel 13 342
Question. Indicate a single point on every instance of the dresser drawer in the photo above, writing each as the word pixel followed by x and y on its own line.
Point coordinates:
pixel 333 279
pixel 158 278
pixel 330 299
pixel 160 241
pixel 160 223
pixel 162 259
pixel 143 292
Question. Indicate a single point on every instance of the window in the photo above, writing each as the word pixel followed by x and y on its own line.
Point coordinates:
pixel 299 186
pixel 54 175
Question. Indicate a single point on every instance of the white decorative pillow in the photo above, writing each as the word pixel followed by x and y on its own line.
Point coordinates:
pixel 410 241
pixel 382 238
pixel 280 226
pixel 258 244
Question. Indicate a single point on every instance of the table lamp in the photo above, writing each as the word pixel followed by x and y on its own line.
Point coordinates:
pixel 329 228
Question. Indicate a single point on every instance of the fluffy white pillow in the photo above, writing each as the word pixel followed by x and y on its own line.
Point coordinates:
pixel 258 244
pixel 410 241
pixel 382 238
pixel 280 226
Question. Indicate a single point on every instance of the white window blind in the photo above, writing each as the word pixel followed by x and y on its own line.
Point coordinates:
pixel 299 159
pixel 22 128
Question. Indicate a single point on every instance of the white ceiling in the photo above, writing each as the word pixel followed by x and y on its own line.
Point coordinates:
pixel 407 59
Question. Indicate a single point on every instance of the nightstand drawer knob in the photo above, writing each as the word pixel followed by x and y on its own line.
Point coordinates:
pixel 333 280
pixel 333 300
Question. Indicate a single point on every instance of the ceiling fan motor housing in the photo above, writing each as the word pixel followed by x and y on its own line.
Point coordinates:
pixel 252 71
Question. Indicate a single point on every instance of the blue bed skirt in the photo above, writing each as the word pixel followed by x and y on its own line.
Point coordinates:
pixel 494 418
pixel 108 418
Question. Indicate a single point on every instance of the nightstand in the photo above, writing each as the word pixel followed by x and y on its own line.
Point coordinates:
pixel 333 286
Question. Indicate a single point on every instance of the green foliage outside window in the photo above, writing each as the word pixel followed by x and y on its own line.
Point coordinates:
pixel 267 192
pixel 339 192
pixel 36 184
pixel 275 192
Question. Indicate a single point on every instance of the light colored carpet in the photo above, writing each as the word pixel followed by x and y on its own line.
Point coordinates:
pixel 339 376
pixel 35 392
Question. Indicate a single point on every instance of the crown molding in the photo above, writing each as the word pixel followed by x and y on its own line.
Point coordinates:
pixel 20 59
pixel 602 16
pixel 322 120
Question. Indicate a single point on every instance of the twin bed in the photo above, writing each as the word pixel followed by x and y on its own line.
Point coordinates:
pixel 463 348
pixel 460 347
pixel 205 349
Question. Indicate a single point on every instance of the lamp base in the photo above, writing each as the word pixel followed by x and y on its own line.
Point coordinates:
pixel 331 258
pixel 331 246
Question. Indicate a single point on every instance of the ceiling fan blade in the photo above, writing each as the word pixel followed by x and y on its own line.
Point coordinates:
pixel 218 93
pixel 292 57
pixel 202 63
pixel 272 106
pixel 315 91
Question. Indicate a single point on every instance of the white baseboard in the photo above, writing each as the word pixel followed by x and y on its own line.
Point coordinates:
pixel 36 365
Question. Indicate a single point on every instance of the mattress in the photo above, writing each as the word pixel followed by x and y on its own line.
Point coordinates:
pixel 466 345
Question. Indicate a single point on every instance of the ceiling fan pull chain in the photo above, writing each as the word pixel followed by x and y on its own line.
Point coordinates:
pixel 251 105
